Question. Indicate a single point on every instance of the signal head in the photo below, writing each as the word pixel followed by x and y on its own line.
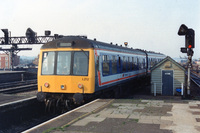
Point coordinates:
pixel 182 30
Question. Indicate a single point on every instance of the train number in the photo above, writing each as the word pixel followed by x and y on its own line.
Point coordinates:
pixel 85 79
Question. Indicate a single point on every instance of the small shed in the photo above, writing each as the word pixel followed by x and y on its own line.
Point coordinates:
pixel 167 77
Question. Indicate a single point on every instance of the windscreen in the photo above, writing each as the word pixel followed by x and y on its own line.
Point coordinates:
pixel 65 63
pixel 48 63
pixel 80 65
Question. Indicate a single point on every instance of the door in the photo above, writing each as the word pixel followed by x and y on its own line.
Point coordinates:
pixel 167 82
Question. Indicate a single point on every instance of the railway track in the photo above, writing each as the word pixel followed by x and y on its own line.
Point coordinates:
pixel 25 114
pixel 17 83
pixel 19 86
pixel 195 78
pixel 19 115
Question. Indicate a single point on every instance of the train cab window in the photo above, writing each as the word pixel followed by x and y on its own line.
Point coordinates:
pixel 124 64
pixel 48 63
pixel 106 67
pixel 80 64
pixel 114 64
pixel 63 63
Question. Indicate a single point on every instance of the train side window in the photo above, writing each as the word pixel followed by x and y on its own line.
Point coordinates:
pixel 149 63
pixel 132 63
pixel 129 64
pixel 152 62
pixel 124 64
pixel 119 65
pixel 106 68
pixel 144 62
pixel 138 64
pixel 114 64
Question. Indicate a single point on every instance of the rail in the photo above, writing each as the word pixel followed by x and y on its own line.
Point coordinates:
pixel 17 83
pixel 18 86
pixel 195 78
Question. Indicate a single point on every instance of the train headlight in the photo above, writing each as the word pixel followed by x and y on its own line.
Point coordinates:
pixel 46 85
pixel 80 85
pixel 62 87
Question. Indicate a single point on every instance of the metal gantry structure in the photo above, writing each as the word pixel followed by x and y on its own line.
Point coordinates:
pixel 25 40
pixel 30 39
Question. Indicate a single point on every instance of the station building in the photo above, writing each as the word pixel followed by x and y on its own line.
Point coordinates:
pixel 5 61
pixel 167 77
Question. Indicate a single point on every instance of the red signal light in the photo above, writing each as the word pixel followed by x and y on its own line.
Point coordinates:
pixel 189 46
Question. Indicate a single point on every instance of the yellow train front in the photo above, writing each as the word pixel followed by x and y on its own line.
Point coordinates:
pixel 66 71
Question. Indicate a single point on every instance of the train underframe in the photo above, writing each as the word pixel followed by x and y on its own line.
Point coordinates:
pixel 65 101
pixel 61 101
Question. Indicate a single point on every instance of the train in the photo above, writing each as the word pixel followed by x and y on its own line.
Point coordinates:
pixel 73 68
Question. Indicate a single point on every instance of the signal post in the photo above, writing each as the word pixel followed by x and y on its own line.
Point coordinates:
pixel 189 45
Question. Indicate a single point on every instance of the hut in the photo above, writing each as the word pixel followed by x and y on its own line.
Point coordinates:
pixel 167 77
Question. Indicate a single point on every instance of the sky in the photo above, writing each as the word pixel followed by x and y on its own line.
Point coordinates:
pixel 145 24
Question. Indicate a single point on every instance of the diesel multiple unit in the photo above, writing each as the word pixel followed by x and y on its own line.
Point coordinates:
pixel 74 67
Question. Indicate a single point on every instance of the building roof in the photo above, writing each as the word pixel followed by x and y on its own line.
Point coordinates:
pixel 167 59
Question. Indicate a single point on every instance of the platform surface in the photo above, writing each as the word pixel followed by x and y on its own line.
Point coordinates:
pixel 128 116
pixel 5 72
pixel 11 98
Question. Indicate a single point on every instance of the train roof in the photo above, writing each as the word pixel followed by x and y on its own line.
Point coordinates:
pixel 83 42
pixel 150 53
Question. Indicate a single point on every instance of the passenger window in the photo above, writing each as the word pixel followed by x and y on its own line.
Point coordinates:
pixel 114 64
pixel 119 65
pixel 124 64
pixel 133 66
pixel 137 64
pixel 140 63
pixel 106 69
pixel 129 64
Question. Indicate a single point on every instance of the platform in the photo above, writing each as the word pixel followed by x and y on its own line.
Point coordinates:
pixel 128 115
pixel 5 72
pixel 11 76
pixel 6 99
